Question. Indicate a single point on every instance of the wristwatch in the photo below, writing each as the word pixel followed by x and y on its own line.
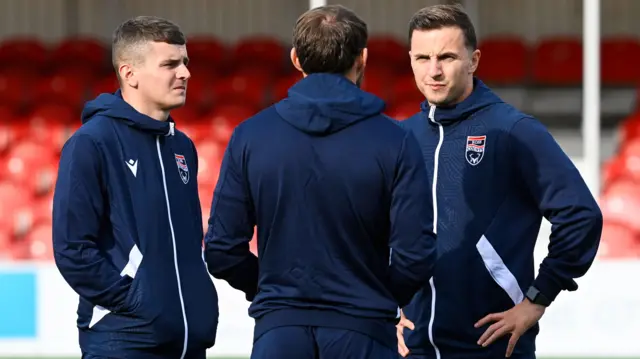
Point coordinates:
pixel 535 297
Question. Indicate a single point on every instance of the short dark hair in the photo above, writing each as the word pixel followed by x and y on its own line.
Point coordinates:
pixel 136 31
pixel 439 16
pixel 329 39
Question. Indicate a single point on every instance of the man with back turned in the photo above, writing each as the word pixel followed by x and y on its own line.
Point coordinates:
pixel 340 198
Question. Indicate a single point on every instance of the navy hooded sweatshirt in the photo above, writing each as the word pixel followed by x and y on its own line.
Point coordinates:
pixel 341 201
pixel 496 173
pixel 127 236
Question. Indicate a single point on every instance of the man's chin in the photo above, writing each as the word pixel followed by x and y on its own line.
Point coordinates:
pixel 439 100
pixel 174 105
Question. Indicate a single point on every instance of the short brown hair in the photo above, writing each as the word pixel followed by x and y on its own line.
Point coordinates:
pixel 439 16
pixel 329 39
pixel 136 31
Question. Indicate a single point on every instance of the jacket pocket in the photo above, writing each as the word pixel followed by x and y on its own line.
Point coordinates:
pixel 133 270
pixel 201 300
pixel 132 299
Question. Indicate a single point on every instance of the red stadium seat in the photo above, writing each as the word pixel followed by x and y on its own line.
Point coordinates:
pixel 405 90
pixel 504 61
pixel 630 157
pixel 223 119
pixel 621 204
pixel 19 130
pixel 81 73
pixel 51 126
pixel 52 113
pixel 7 133
pixel 242 89
pixel 43 179
pixel 377 81
pixel 612 171
pixel 618 241
pixel 199 93
pixel 42 209
pixel 283 84
pixel 388 52
pixel 403 110
pixel 206 188
pixel 106 84
pixel 80 50
pixel 207 51
pixel 5 243
pixel 15 85
pixel 60 89
pixel 15 204
pixel 619 61
pixel 40 242
pixel 184 114
pixel 25 51
pixel 209 159
pixel 196 131
pixel 26 161
pixel 558 62
pixel 268 51
pixel 205 215
pixel 630 127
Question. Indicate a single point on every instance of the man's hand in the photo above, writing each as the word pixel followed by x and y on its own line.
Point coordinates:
pixel 404 323
pixel 516 321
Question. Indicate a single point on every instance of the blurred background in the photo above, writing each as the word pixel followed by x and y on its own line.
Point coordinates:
pixel 55 55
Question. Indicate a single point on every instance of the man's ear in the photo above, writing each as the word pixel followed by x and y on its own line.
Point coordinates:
pixel 295 60
pixel 475 61
pixel 365 56
pixel 127 75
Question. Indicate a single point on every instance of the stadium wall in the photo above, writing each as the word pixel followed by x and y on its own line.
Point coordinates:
pixel 602 319
pixel 52 20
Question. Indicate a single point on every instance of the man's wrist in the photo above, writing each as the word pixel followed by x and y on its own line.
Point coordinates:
pixel 535 296
pixel 547 284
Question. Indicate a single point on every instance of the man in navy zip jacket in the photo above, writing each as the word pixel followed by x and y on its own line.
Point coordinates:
pixel 127 228
pixel 341 201
pixel 495 173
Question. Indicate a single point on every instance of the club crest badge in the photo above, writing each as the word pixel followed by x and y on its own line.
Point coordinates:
pixel 475 149
pixel 183 169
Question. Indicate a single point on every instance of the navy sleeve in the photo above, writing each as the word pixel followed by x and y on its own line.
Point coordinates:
pixel 231 224
pixel 78 210
pixel 564 199
pixel 412 240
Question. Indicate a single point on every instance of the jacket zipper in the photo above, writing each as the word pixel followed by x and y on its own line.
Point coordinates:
pixel 175 253
pixel 432 111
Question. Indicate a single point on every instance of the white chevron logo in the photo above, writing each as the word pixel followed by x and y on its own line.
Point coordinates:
pixel 133 166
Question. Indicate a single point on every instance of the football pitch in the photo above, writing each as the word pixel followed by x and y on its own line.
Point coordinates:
pixel 248 358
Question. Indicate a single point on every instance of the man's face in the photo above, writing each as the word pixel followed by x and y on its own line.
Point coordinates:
pixel 162 75
pixel 442 65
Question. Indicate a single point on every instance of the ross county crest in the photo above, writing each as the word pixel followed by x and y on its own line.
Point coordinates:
pixel 183 169
pixel 475 149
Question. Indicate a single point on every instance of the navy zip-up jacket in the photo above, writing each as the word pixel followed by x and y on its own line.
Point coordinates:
pixel 342 204
pixel 127 236
pixel 497 173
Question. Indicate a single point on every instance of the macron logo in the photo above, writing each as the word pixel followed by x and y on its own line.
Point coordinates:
pixel 133 166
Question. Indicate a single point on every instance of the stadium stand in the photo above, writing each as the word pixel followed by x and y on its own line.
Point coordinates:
pixel 43 88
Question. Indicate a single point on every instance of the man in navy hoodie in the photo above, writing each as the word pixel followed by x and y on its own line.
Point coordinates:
pixel 495 173
pixel 127 229
pixel 340 198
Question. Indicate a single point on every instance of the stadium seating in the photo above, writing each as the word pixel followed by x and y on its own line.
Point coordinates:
pixel 44 86
pixel 620 200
